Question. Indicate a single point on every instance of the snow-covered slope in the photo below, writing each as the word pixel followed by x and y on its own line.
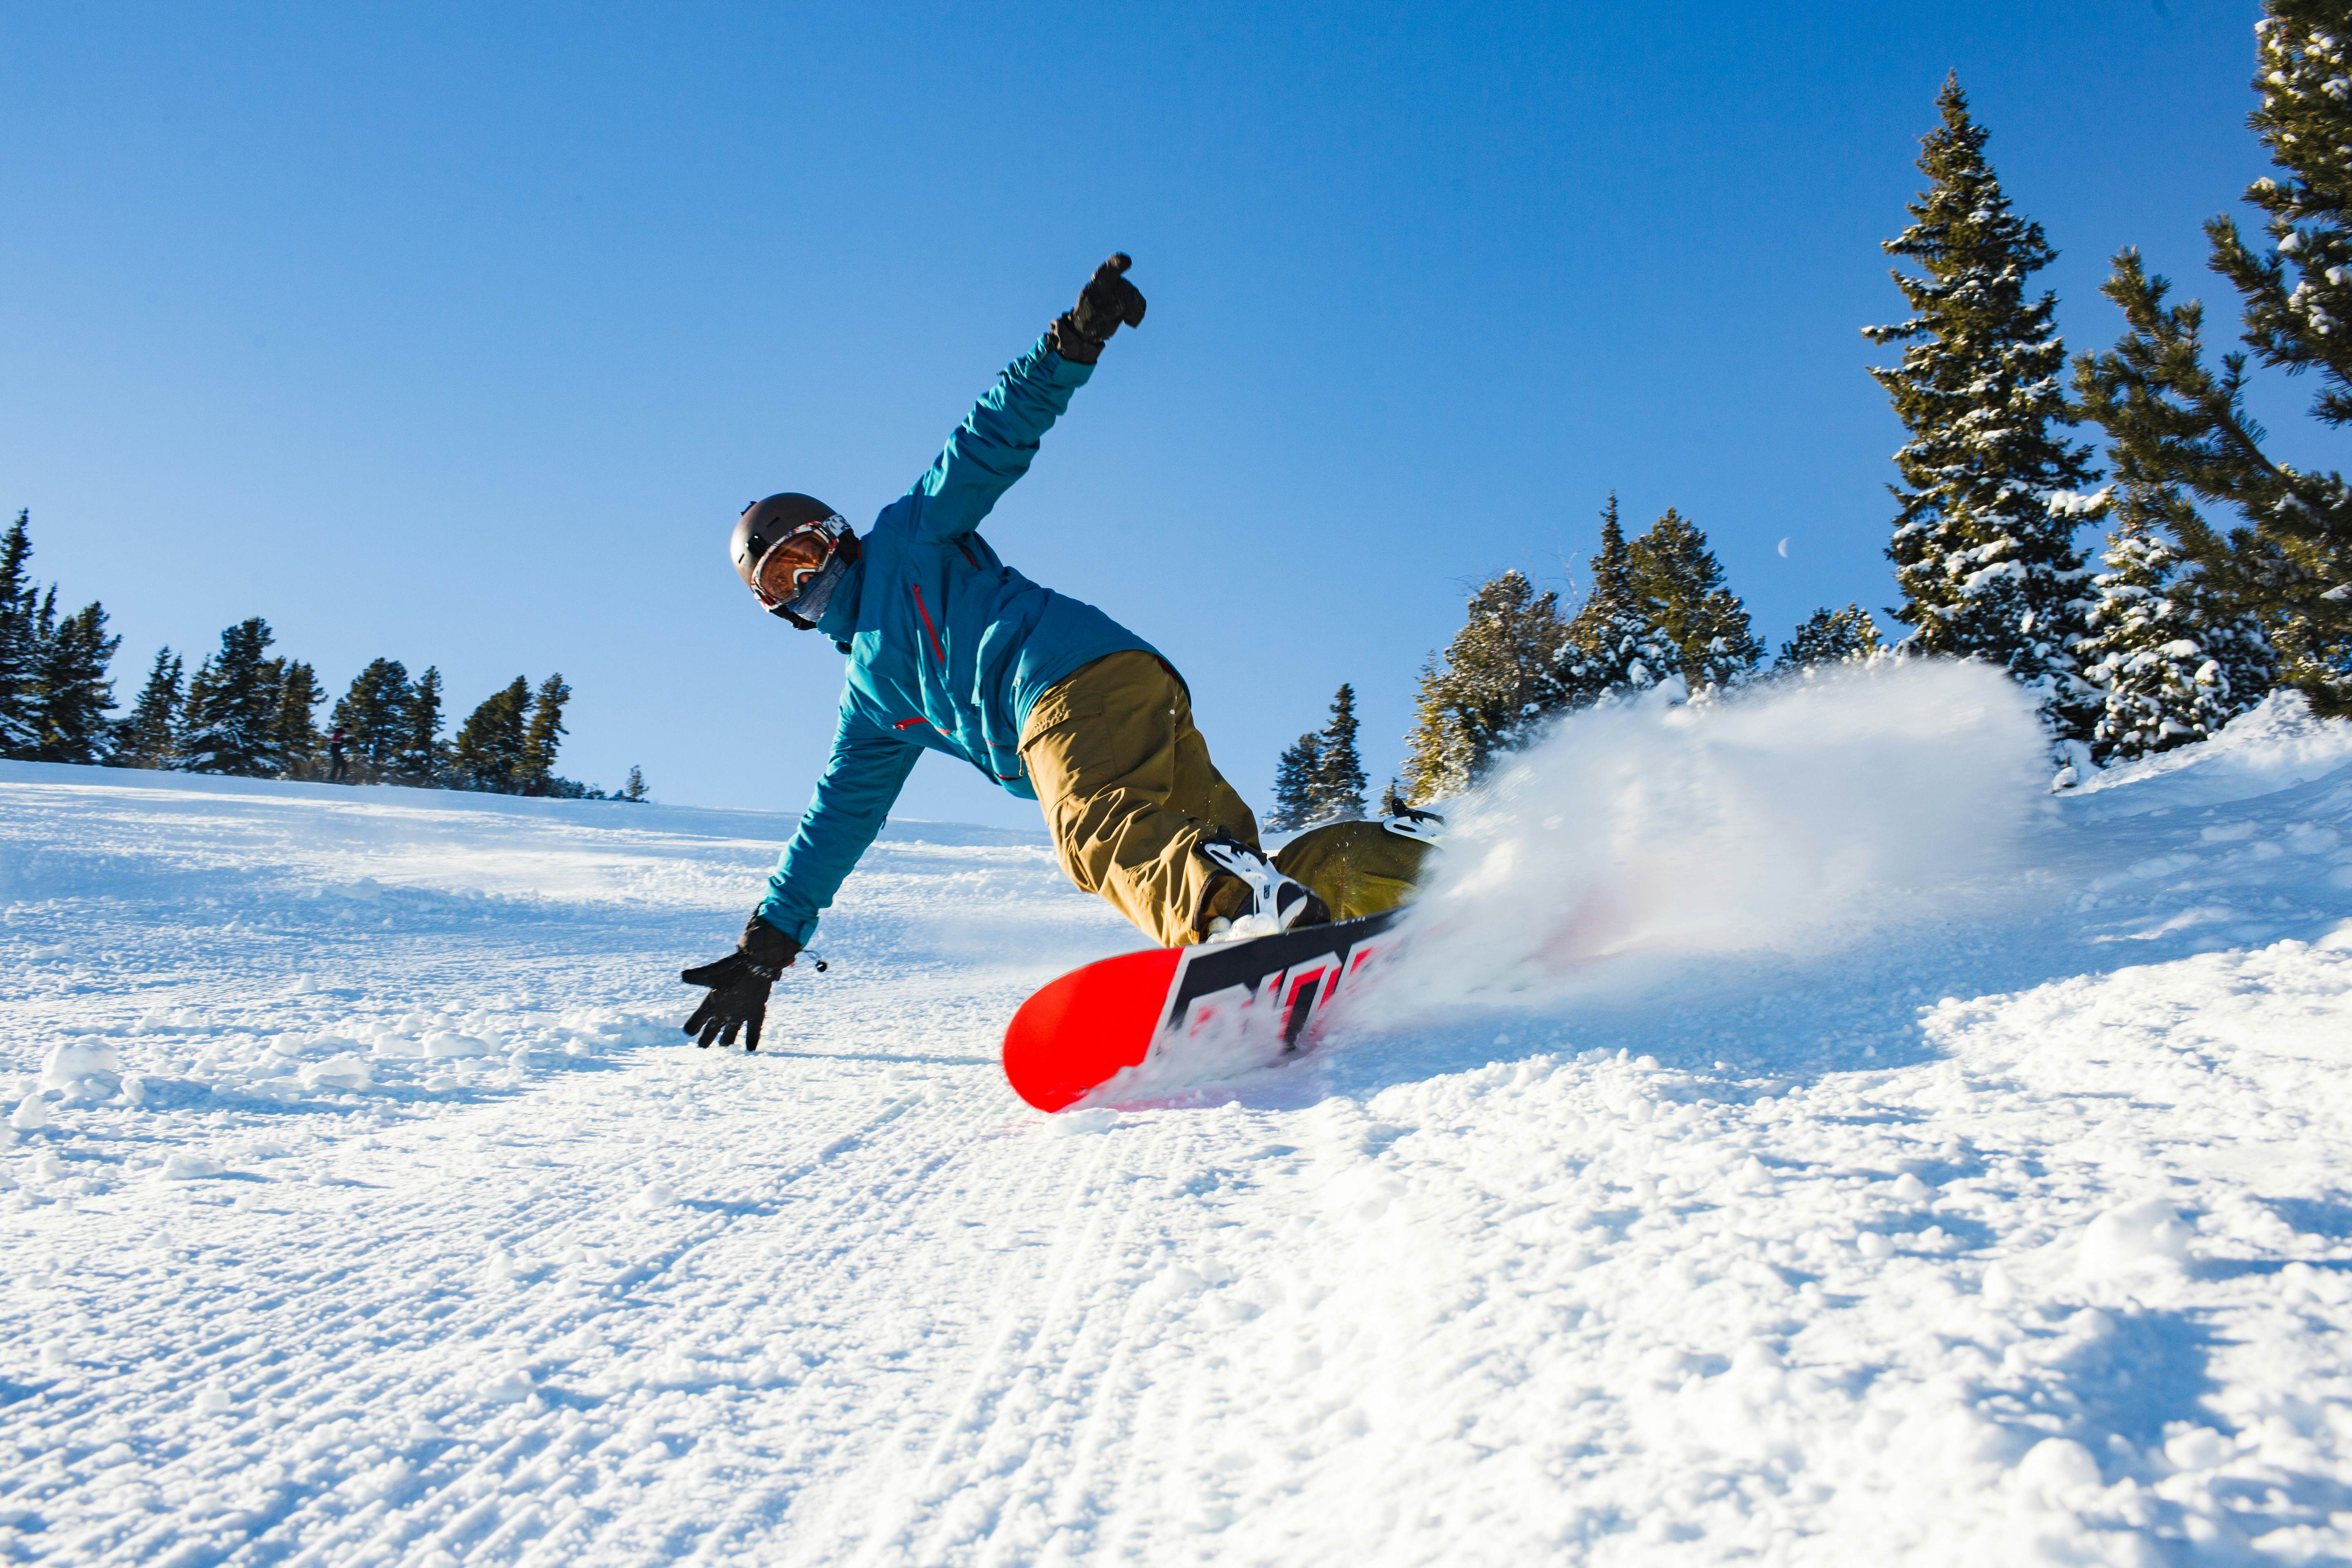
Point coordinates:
pixel 1987 1202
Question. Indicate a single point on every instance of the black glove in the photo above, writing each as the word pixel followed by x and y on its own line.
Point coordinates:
pixel 738 986
pixel 1106 303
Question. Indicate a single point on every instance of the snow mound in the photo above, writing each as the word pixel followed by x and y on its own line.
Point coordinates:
pixel 2275 745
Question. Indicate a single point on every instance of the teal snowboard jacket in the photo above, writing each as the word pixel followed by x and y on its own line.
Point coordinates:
pixel 949 647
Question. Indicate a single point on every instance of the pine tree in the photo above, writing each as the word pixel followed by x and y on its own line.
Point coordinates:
pixel 2175 663
pixel 54 690
pixel 1830 637
pixel 1614 647
pixel 489 753
pixel 422 758
pixel 545 733
pixel 1338 787
pixel 1500 678
pixel 1294 784
pixel 38 623
pixel 232 708
pixel 146 737
pixel 634 790
pixel 2180 431
pixel 375 720
pixel 1682 583
pixel 295 730
pixel 71 693
pixel 1989 570
pixel 272 761
pixel 19 644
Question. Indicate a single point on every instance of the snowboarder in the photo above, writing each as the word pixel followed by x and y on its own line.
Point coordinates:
pixel 951 650
pixel 337 768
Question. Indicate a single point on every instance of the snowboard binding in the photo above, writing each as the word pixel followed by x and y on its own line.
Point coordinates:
pixel 1421 827
pixel 1276 902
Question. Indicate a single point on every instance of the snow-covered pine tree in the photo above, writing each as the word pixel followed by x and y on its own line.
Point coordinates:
pixel 54 690
pixel 542 736
pixel 1614 648
pixel 71 693
pixel 2175 662
pixel 19 644
pixel 1294 784
pixel 375 717
pixel 232 708
pixel 1681 583
pixel 1989 571
pixel 490 743
pixel 40 623
pixel 147 736
pixel 634 790
pixel 1830 637
pixel 420 757
pixel 299 746
pixel 1499 679
pixel 1339 785
pixel 2180 431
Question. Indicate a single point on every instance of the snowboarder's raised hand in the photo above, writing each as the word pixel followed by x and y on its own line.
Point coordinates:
pixel 738 986
pixel 1107 302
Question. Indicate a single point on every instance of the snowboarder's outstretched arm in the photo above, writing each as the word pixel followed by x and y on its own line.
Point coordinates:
pixel 853 800
pixel 998 439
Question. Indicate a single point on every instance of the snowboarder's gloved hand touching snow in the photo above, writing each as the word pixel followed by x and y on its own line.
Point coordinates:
pixel 1107 302
pixel 738 986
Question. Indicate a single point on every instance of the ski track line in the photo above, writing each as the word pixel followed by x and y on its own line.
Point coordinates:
pixel 953 1443
pixel 1088 1308
pixel 1007 1481
pixel 844 1287
pixel 853 1286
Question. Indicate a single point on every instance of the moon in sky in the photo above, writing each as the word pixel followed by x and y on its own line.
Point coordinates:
pixel 1784 549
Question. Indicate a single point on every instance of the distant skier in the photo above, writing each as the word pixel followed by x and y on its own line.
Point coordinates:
pixel 336 767
pixel 951 650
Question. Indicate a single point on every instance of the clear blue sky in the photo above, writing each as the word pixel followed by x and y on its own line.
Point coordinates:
pixel 459 333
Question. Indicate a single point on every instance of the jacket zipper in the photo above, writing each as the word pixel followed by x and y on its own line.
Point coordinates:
pixel 923 610
pixel 916 589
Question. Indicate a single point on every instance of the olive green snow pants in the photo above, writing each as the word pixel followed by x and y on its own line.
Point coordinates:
pixel 1127 789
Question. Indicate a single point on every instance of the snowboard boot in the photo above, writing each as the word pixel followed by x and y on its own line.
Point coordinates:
pixel 1251 899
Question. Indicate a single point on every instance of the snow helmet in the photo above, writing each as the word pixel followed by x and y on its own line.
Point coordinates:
pixel 818 534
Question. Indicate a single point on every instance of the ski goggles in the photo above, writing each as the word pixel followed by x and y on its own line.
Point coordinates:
pixel 785 567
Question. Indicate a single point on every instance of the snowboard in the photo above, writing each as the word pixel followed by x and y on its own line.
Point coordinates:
pixel 1220 1008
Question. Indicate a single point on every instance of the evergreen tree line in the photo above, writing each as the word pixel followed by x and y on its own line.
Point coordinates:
pixel 1658 622
pixel 1659 618
pixel 250 714
pixel 2227 573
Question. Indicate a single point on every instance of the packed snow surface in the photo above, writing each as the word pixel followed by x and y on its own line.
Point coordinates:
pixel 1789 1137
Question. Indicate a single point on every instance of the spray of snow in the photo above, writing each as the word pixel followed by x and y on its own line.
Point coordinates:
pixel 1790 822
